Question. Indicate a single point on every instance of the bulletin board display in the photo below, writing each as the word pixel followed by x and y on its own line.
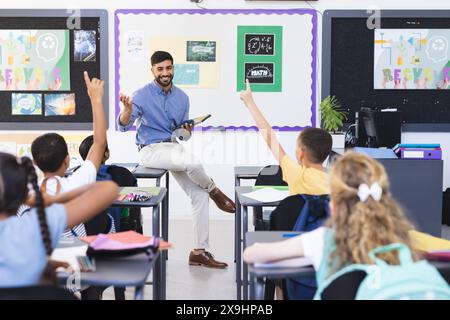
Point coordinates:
pixel 399 61
pixel 215 51
pixel 43 54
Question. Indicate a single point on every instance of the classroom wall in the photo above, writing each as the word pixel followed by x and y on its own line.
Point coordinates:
pixel 220 151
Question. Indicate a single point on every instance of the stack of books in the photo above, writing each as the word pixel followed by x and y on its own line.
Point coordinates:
pixel 418 151
pixel 438 255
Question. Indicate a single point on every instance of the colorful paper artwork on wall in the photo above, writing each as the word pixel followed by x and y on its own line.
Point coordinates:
pixel 85 47
pixel 259 58
pixel 196 60
pixel 134 43
pixel 186 74
pixel 26 104
pixel 411 59
pixel 59 104
pixel 34 60
pixel 204 51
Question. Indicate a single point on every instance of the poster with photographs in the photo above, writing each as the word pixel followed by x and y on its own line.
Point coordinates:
pixel 26 104
pixel 59 104
pixel 85 47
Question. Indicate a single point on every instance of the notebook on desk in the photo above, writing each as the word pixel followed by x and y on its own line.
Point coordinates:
pixel 267 194
pixel 124 241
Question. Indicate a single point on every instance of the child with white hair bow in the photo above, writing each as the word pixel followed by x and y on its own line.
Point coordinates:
pixel 364 216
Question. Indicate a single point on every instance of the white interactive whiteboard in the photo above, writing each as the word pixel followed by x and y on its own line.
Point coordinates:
pixel 215 50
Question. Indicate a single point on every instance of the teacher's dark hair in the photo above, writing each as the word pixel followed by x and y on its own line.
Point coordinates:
pixel 160 56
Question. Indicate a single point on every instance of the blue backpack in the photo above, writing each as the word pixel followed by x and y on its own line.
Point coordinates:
pixel 407 281
pixel 114 212
pixel 314 213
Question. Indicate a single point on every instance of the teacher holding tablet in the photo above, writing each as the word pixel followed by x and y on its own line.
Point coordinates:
pixel 157 108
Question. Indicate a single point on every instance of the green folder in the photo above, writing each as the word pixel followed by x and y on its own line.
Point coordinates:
pixel 152 190
pixel 282 188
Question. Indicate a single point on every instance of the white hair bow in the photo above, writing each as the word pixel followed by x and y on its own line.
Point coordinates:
pixel 364 191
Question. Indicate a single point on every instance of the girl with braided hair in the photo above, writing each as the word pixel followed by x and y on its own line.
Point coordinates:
pixel 27 242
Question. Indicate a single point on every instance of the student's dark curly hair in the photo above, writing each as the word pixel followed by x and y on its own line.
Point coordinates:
pixel 49 151
pixel 15 175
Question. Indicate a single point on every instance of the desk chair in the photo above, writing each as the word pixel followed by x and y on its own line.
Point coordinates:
pixel 284 218
pixel 270 175
pixel 38 292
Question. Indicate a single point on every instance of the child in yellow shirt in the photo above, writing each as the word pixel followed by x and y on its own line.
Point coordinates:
pixel 307 175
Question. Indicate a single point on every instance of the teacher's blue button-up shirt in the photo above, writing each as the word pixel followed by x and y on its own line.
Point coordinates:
pixel 156 113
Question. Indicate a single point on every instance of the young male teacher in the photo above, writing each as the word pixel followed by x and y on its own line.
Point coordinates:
pixel 158 107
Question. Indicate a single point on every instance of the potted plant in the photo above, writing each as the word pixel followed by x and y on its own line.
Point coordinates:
pixel 333 117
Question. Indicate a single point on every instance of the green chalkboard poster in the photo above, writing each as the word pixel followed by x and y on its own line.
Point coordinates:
pixel 259 58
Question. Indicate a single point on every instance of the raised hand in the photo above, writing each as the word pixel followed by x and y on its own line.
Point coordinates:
pixel 127 102
pixel 246 95
pixel 94 87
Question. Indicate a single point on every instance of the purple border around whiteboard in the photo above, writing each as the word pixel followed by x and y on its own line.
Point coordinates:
pixel 312 12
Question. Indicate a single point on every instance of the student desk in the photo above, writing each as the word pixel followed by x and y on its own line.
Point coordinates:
pixel 241 228
pixel 129 271
pixel 416 184
pixel 258 275
pixel 160 269
pixel 141 172
pixel 243 173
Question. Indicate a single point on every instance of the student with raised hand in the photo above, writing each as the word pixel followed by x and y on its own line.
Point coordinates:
pixel 364 216
pixel 51 155
pixel 27 242
pixel 307 175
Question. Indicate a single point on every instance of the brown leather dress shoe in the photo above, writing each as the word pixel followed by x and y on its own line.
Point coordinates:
pixel 222 201
pixel 205 259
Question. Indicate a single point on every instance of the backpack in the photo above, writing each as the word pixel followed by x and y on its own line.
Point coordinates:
pixel 127 218
pixel 115 212
pixel 407 281
pixel 313 214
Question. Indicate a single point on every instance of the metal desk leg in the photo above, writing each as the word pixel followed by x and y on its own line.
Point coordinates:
pixel 237 183
pixel 244 265
pixel 252 287
pixel 163 269
pixel 165 214
pixel 237 247
pixel 157 270
pixel 139 293
pixel 258 287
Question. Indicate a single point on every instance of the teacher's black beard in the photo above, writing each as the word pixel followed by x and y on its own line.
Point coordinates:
pixel 162 83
